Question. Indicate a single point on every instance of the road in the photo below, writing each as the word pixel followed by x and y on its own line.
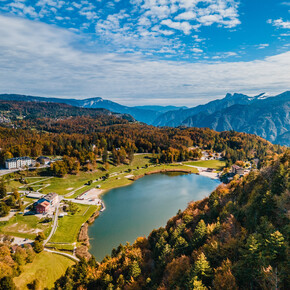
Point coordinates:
pixel 54 224
pixel 63 254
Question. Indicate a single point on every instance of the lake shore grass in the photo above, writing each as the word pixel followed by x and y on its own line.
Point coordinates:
pixel 216 164
pixel 69 226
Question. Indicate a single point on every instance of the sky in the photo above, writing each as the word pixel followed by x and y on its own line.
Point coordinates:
pixel 142 52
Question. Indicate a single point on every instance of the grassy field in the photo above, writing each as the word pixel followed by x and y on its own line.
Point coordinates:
pixel 217 164
pixel 61 247
pixel 24 227
pixel 69 226
pixel 73 182
pixel 46 267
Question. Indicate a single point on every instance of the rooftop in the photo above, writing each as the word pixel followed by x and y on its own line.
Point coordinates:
pixel 18 158
pixel 50 196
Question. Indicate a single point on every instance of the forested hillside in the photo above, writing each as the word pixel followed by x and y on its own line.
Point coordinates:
pixel 84 140
pixel 237 238
pixel 21 110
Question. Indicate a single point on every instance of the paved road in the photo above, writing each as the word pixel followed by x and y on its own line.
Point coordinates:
pixel 54 225
pixel 63 254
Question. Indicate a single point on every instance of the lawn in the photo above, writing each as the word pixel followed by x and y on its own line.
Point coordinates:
pixel 217 164
pixel 73 182
pixel 12 184
pixel 61 247
pixel 46 267
pixel 69 226
pixel 24 226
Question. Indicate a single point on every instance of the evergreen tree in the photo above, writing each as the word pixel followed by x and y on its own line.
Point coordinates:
pixel 135 270
pixel 3 189
pixel 6 283
pixel 202 268
pixel 105 155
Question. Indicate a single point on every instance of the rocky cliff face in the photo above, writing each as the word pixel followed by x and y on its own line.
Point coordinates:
pixel 268 118
pixel 176 118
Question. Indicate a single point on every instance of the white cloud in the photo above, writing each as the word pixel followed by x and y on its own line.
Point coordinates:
pixel 189 15
pixel 262 45
pixel 285 3
pixel 197 50
pixel 280 23
pixel 196 12
pixel 183 26
pixel 225 55
pixel 39 59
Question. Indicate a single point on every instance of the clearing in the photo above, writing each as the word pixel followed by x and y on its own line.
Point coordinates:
pixel 46 267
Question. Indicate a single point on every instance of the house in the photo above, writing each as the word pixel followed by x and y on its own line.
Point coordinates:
pixel 18 162
pixel 52 198
pixel 42 207
pixel 43 160
pixel 237 170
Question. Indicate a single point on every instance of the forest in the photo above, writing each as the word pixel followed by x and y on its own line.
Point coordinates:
pixel 84 139
pixel 237 238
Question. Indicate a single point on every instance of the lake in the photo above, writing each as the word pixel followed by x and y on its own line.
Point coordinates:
pixel 135 210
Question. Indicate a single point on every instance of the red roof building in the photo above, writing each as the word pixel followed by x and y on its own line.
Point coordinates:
pixel 42 207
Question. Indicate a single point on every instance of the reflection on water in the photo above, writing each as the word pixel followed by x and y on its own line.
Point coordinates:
pixel 146 204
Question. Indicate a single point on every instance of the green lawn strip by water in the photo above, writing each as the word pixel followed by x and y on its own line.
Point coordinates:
pixel 61 247
pixel 217 164
pixel 73 182
pixel 24 227
pixel 46 267
pixel 69 226
pixel 121 179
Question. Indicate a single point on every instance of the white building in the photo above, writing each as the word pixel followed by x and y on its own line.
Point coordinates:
pixel 18 162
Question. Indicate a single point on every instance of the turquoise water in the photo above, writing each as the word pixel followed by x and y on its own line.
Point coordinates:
pixel 146 204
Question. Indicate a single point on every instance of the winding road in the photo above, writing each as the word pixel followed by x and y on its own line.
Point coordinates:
pixel 54 225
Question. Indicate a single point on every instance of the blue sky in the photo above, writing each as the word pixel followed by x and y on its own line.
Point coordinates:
pixel 182 52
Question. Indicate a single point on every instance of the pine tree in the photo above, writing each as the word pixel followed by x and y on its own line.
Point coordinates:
pixel 135 270
pixel 3 189
pixel 201 267
pixel 199 234
pixel 105 155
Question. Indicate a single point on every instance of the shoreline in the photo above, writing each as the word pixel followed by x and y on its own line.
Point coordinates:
pixel 83 235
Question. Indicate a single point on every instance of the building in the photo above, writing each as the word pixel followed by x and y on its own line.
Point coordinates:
pixel 237 170
pixel 52 198
pixel 43 160
pixel 42 207
pixel 18 162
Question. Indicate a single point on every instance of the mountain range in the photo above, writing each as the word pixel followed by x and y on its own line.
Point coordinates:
pixel 263 115
pixel 145 114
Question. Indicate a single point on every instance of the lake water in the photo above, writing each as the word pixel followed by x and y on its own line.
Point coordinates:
pixel 135 210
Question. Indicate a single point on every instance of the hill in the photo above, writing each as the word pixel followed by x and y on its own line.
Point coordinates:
pixel 18 111
pixel 146 114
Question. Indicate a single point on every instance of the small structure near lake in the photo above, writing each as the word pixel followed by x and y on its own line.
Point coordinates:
pixel 237 170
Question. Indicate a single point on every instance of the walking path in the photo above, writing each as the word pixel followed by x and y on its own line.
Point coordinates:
pixel 35 182
pixel 63 254
pixel 202 171
pixel 74 191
